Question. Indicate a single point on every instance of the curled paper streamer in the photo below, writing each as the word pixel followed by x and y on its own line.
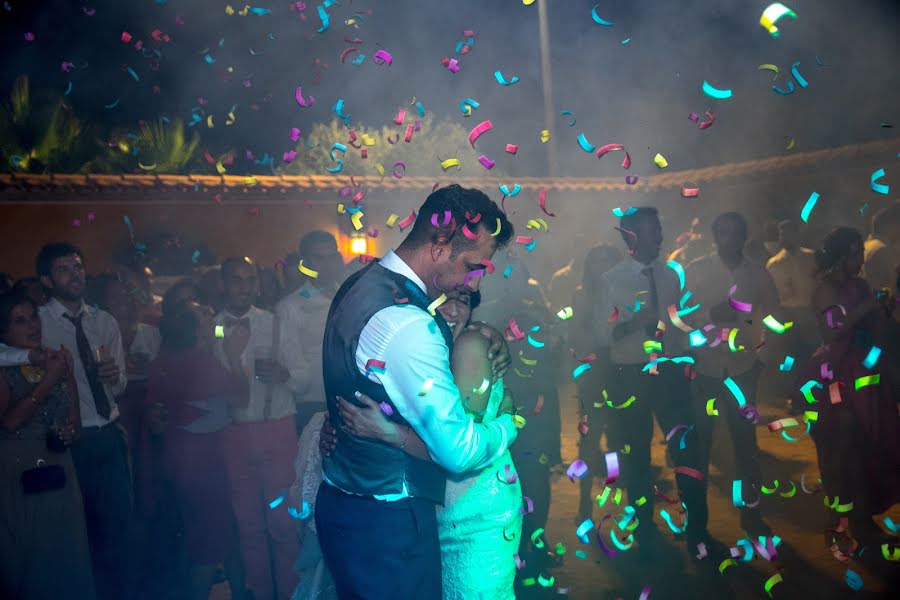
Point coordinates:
pixel 599 20
pixel 307 271
pixel 478 130
pixel 502 80
pixel 382 57
pixel 576 470
pixel 878 188
pixel 808 207
pixel 612 467
pixel 714 92
pixel 770 15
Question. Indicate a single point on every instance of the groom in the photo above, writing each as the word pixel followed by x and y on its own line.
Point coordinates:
pixel 375 512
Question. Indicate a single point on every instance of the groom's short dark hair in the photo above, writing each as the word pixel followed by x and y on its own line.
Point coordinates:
pixel 465 205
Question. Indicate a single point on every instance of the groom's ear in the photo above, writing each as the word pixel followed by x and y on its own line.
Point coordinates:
pixel 439 247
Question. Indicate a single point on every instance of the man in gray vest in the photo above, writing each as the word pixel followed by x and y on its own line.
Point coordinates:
pixel 375 511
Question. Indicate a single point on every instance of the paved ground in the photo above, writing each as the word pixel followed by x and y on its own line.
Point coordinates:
pixel 808 568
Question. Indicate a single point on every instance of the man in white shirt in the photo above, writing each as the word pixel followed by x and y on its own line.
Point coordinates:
pixel 100 453
pixel 633 299
pixel 711 279
pixel 261 442
pixel 301 316
pixel 375 511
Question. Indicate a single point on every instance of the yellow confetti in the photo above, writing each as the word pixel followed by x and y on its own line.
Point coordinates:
pixel 711 410
pixel 791 144
pixel 231 119
pixel 209 121
pixel 527 2
pixel 660 161
pixel 220 331
pixel 769 67
pixel 368 140
pixel 380 169
pixel 565 313
pixel 543 459
pixel 391 220
pixel 518 421
pixel 528 361
pixel 451 162
pixel 250 181
pixel 440 300
pixel 355 219
pixel 341 209
pixel 220 168
pixel 147 167
pixel 307 271
pixel 545 136
pixel 228 10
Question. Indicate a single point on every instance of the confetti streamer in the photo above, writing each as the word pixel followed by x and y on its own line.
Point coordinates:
pixel 800 80
pixel 770 16
pixel 576 470
pixel 878 188
pixel 612 467
pixel 808 207
pixel 585 145
pixel 580 369
pixel 714 92
pixel 773 324
pixel 478 130
pixel 502 80
pixel 735 391
pixel 440 300
pixel 868 380
pixel 598 19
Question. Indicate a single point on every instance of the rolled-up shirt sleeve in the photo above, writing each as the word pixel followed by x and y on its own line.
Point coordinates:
pixel 10 356
pixel 413 350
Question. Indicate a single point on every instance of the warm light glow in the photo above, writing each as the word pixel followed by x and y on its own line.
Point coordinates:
pixel 358 245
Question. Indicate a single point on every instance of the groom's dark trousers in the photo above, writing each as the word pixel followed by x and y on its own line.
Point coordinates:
pixel 377 550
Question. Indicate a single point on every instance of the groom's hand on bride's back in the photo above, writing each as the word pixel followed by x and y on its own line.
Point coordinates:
pixel 498 352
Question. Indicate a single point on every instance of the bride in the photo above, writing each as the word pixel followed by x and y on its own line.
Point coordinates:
pixel 480 522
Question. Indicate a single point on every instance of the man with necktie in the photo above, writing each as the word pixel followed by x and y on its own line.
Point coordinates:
pixel 633 300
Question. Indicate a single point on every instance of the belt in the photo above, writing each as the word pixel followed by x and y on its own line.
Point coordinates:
pixel 98 428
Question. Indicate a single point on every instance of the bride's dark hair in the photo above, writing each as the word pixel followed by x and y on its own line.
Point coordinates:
pixel 836 246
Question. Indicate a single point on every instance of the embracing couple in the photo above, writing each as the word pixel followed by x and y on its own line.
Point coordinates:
pixel 416 472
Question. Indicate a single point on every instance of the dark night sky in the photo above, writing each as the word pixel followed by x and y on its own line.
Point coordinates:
pixel 638 94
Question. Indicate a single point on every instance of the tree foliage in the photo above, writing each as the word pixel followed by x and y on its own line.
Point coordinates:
pixel 437 140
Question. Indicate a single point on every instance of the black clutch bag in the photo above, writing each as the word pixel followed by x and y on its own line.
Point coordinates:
pixel 45 478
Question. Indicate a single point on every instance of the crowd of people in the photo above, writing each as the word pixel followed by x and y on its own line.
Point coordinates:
pixel 273 428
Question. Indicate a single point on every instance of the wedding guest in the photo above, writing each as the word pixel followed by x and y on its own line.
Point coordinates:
pixel 857 433
pixel 641 278
pixel 43 540
pixel 583 343
pixel 301 316
pixel 262 439
pixel 31 287
pixel 882 249
pixel 100 453
pixel 712 279
pixel 195 390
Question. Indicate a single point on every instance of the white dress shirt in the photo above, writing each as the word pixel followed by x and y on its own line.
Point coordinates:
pixel 620 287
pixel 101 329
pixel 410 343
pixel 793 274
pixel 262 327
pixel 146 341
pixel 302 316
pixel 711 280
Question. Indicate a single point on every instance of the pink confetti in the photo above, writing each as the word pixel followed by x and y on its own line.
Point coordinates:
pixel 298 94
pixel 289 156
pixel 90 12
pixel 126 37
pixel 295 134
pixel 76 223
pixel 737 304
pixel 612 467
pixel 386 409
pixel 29 37
pixel 486 162
pixel 512 148
pixel 92 217
pixel 383 57
pixel 576 470
pixel 453 65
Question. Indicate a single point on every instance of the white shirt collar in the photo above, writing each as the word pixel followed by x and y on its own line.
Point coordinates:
pixel 392 262
pixel 57 309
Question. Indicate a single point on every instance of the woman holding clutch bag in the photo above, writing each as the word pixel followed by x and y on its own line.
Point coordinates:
pixel 43 540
